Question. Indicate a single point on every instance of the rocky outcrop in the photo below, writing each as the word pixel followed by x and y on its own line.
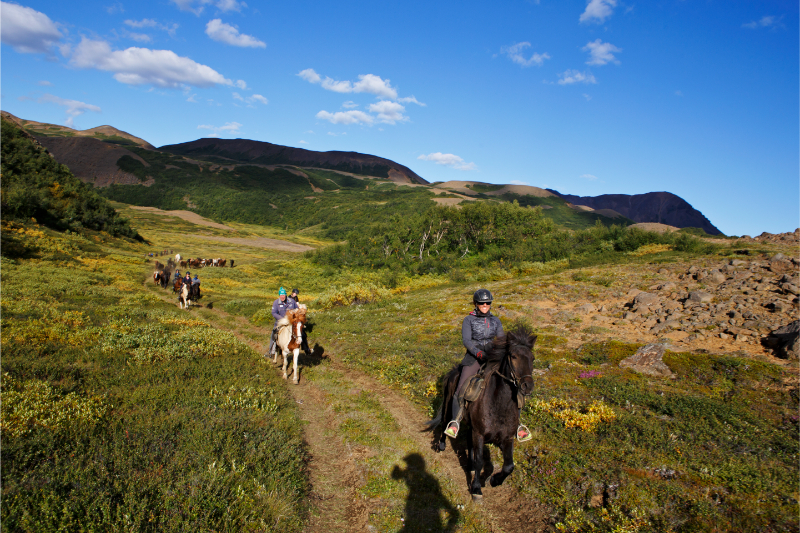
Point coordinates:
pixel 264 153
pixel 785 341
pixel 660 207
pixel 648 360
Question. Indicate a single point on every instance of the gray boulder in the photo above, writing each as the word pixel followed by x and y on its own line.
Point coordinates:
pixel 645 299
pixel 785 341
pixel 700 297
pixel 647 360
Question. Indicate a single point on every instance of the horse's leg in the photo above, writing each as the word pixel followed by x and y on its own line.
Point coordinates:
pixel 296 375
pixel 477 464
pixel 285 361
pixel 447 415
pixel 508 464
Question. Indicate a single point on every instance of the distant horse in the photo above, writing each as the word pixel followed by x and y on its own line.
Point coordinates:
pixel 177 258
pixel 182 263
pixel 165 277
pixel 184 298
pixel 494 417
pixel 232 260
pixel 290 337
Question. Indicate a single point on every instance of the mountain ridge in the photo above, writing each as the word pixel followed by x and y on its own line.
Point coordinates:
pixel 659 207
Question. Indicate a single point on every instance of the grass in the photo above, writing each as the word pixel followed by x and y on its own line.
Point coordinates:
pixel 121 412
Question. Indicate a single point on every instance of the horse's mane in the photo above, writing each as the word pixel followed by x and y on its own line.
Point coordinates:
pixel 519 336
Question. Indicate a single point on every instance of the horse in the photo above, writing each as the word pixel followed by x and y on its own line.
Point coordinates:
pixel 165 276
pixel 290 337
pixel 194 291
pixel 184 297
pixel 177 284
pixel 494 416
pixel 157 277
pixel 177 258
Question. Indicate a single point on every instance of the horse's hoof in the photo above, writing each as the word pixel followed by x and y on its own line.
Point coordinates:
pixel 442 446
pixel 477 498
pixel 296 382
pixel 493 482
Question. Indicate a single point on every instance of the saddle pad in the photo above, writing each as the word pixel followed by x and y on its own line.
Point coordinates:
pixel 473 389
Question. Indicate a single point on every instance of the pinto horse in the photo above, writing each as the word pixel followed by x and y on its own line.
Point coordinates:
pixel 494 417
pixel 184 297
pixel 290 337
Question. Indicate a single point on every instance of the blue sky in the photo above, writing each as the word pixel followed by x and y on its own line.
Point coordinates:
pixel 695 97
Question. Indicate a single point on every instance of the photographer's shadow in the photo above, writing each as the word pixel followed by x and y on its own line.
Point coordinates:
pixel 425 501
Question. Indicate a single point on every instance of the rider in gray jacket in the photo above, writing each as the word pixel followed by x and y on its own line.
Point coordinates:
pixel 478 330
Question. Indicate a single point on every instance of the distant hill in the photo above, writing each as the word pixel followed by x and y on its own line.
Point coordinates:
pixel 661 207
pixel 245 151
pixel 108 134
pixel 246 173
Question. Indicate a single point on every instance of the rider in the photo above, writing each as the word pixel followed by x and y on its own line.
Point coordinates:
pixel 187 279
pixel 295 297
pixel 279 308
pixel 478 330
pixel 177 275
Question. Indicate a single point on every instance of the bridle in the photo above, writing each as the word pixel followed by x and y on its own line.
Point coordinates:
pixel 514 380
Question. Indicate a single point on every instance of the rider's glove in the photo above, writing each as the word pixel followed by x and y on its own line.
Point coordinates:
pixel 479 356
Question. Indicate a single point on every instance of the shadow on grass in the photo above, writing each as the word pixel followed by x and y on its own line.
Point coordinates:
pixel 425 501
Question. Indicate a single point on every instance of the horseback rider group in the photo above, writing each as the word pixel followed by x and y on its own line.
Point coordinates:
pixel 478 330
pixel 280 306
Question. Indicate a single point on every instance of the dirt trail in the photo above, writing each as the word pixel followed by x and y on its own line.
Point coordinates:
pixel 334 472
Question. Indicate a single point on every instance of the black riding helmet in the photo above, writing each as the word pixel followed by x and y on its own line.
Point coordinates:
pixel 482 296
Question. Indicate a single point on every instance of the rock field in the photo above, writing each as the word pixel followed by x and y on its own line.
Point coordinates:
pixel 747 306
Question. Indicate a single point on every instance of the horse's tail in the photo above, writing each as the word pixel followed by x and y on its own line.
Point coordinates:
pixel 448 390
pixel 432 424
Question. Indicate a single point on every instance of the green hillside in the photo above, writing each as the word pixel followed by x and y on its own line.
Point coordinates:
pixel 34 185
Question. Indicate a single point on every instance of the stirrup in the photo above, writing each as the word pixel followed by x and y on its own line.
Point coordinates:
pixel 523 433
pixel 452 429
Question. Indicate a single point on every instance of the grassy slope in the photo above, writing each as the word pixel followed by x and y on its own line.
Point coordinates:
pixel 164 392
pixel 121 412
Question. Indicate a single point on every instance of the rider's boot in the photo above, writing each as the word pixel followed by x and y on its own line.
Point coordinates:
pixel 271 350
pixel 453 426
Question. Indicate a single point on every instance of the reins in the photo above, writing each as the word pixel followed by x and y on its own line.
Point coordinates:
pixel 513 380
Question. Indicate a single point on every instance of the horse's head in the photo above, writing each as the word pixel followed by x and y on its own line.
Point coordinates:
pixel 517 346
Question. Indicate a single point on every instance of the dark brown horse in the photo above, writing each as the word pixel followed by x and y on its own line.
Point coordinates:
pixel 494 417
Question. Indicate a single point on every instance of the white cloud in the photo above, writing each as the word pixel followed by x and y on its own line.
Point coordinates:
pixel 309 75
pixel 588 97
pixel 514 52
pixel 349 104
pixel 45 83
pixel 139 37
pixel 225 33
pixel 388 112
pixel 144 23
pixel 332 134
pixel 518 182
pixel 598 10
pixel 250 100
pixel 192 98
pixel 601 53
pixel 411 100
pixel 74 107
pixel 143 66
pixel 591 177
pixel 367 83
pixel 450 160
pixel 197 6
pixel 568 77
pixel 346 117
pixel 303 142
pixel 27 30
pixel 764 22
pixel 152 23
pixel 230 128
